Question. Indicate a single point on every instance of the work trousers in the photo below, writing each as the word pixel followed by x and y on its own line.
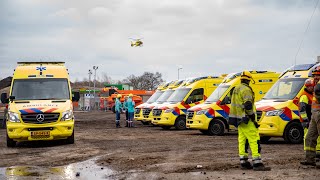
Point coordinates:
pixel 312 136
pixel 249 132
pixel 318 141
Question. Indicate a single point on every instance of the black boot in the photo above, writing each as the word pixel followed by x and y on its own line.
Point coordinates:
pixel 246 165
pixel 260 167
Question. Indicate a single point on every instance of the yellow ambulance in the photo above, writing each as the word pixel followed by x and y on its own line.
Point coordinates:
pixel 192 92
pixel 211 117
pixel 278 111
pixel 40 103
pixel 138 115
pixel 147 109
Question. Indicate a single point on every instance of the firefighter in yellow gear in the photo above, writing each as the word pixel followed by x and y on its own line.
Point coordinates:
pixel 314 125
pixel 243 115
pixel 305 102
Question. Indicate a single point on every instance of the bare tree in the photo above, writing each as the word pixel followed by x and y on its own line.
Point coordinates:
pixel 147 81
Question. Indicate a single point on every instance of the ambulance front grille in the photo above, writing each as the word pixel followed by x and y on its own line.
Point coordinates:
pixel 146 112
pixel 157 112
pixel 40 118
pixel 190 114
pixel 137 110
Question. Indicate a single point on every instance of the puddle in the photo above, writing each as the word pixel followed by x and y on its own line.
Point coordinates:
pixel 82 171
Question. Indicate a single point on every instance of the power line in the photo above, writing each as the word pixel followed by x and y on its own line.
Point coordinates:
pixel 305 32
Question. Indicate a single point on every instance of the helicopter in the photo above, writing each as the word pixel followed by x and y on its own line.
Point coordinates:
pixel 136 42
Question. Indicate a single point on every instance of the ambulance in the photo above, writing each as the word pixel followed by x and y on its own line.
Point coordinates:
pixel 40 103
pixel 147 110
pixel 211 117
pixel 138 115
pixel 278 111
pixel 192 92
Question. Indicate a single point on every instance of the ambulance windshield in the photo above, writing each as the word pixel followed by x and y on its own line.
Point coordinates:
pixel 163 98
pixel 216 95
pixel 40 89
pixel 285 89
pixel 179 95
pixel 155 96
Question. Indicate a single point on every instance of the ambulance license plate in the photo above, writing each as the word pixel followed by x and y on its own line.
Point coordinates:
pixel 40 134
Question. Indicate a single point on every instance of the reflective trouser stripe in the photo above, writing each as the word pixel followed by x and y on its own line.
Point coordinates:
pixel 313 133
pixel 256 160
pixel 250 132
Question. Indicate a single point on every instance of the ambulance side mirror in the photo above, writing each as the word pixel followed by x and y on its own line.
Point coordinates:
pixel 76 97
pixel 4 98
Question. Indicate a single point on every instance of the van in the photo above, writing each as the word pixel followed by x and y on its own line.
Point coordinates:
pixel 192 92
pixel 138 115
pixel 211 117
pixel 278 112
pixel 40 103
pixel 147 109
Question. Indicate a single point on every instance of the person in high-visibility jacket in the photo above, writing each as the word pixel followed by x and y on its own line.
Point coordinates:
pixel 118 108
pixel 305 102
pixel 243 115
pixel 130 106
pixel 314 125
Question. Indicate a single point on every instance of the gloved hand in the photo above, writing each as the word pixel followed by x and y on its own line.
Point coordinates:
pixel 305 124
pixel 252 117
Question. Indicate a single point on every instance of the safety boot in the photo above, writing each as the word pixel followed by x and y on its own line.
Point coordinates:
pixel 260 167
pixel 308 163
pixel 246 165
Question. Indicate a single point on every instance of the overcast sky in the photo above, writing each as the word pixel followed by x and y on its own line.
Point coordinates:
pixel 204 37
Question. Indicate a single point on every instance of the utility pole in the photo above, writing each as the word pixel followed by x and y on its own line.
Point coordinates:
pixel 178 71
pixel 90 72
pixel 94 86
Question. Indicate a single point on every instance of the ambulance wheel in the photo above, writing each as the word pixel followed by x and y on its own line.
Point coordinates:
pixel 10 142
pixel 180 123
pixel 145 122
pixel 216 127
pixel 166 127
pixel 113 109
pixel 264 139
pixel 293 133
pixel 205 132
pixel 70 140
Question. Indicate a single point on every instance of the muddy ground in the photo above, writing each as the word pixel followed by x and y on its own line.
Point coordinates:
pixel 147 152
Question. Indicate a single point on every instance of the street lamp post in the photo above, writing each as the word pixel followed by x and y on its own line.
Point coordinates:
pixel 90 73
pixel 178 71
pixel 94 85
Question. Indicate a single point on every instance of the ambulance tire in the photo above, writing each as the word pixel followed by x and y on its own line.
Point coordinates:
pixel 70 140
pixel 216 127
pixel 145 122
pixel 10 142
pixel 113 109
pixel 264 139
pixel 293 133
pixel 180 123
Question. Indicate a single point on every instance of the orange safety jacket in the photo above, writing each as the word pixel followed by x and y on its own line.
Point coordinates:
pixel 316 97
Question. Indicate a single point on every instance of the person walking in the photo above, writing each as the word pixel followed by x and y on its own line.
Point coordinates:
pixel 305 102
pixel 243 115
pixel 130 106
pixel 118 108
pixel 314 125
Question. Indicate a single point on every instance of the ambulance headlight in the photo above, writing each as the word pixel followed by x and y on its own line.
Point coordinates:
pixel 202 112
pixel 168 110
pixel 277 112
pixel 13 117
pixel 67 115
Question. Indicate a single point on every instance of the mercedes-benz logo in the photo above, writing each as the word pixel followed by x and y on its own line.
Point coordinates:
pixel 40 117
